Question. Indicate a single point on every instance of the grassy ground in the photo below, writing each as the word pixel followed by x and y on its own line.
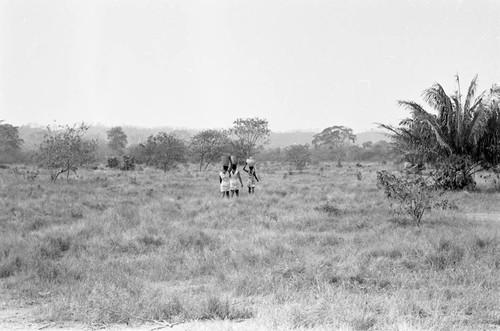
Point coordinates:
pixel 316 250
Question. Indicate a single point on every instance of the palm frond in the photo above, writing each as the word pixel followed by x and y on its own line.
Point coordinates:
pixel 470 94
pixel 437 98
pixel 388 127
pixel 477 126
pixel 438 134
pixel 456 136
pixel 413 107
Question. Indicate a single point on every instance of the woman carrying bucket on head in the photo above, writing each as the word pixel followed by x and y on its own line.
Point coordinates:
pixel 235 179
pixel 225 177
pixel 252 175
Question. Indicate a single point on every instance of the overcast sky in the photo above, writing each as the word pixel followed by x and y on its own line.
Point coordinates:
pixel 201 64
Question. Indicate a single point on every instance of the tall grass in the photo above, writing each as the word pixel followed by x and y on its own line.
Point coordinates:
pixel 320 249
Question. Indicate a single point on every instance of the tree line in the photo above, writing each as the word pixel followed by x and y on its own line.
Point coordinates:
pixel 65 148
pixel 458 137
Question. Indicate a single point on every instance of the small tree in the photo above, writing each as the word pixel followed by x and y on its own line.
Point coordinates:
pixel 412 194
pixel 10 143
pixel 298 156
pixel 117 139
pixel 164 151
pixel 65 149
pixel 208 145
pixel 249 132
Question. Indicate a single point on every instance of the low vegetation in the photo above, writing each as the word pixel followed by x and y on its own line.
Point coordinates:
pixel 317 250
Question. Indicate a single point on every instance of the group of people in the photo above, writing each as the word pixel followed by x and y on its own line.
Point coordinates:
pixel 230 179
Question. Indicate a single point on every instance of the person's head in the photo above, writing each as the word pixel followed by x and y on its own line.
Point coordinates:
pixel 225 167
pixel 234 166
pixel 251 167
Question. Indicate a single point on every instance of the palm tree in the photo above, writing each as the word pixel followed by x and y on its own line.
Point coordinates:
pixel 461 131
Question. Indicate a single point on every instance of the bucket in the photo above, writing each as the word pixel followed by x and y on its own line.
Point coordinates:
pixel 234 160
pixel 224 159
pixel 250 162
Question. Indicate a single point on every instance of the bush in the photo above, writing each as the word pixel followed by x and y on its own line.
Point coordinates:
pixel 414 194
pixel 128 163
pixel 113 162
pixel 64 149
pixel 454 175
pixel 298 156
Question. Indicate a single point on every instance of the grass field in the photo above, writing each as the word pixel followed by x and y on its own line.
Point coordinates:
pixel 319 250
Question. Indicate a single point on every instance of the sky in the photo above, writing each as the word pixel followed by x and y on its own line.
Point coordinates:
pixel 302 65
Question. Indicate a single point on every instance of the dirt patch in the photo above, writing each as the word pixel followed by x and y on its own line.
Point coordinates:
pixel 17 316
pixel 22 319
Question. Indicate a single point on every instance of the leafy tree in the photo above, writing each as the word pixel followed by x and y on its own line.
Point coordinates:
pixel 335 136
pixel 10 143
pixel 65 149
pixel 463 133
pixel 249 132
pixel 117 139
pixel 335 139
pixel 164 151
pixel 208 145
pixel 298 155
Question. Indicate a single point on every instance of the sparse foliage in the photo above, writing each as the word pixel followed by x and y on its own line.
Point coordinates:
pixel 64 149
pixel 208 145
pixel 248 133
pixel 413 194
pixel 298 156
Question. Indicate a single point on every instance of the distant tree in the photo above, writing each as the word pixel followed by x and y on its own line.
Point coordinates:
pixel 10 143
pixel 367 144
pixel 208 145
pixel 248 133
pixel 64 149
pixel 164 151
pixel 117 139
pixel 298 156
pixel 334 139
pixel 334 136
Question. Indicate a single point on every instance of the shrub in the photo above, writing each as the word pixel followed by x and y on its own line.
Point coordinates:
pixel 64 149
pixel 328 209
pixel 298 156
pixel 413 194
pixel 128 163
pixel 113 162
pixel 456 174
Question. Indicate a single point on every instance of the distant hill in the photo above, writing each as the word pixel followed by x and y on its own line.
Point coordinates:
pixel 373 136
pixel 282 139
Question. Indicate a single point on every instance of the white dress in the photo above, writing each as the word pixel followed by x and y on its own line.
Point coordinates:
pixel 225 184
pixel 235 181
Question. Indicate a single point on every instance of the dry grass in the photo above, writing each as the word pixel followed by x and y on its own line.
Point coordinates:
pixel 317 250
